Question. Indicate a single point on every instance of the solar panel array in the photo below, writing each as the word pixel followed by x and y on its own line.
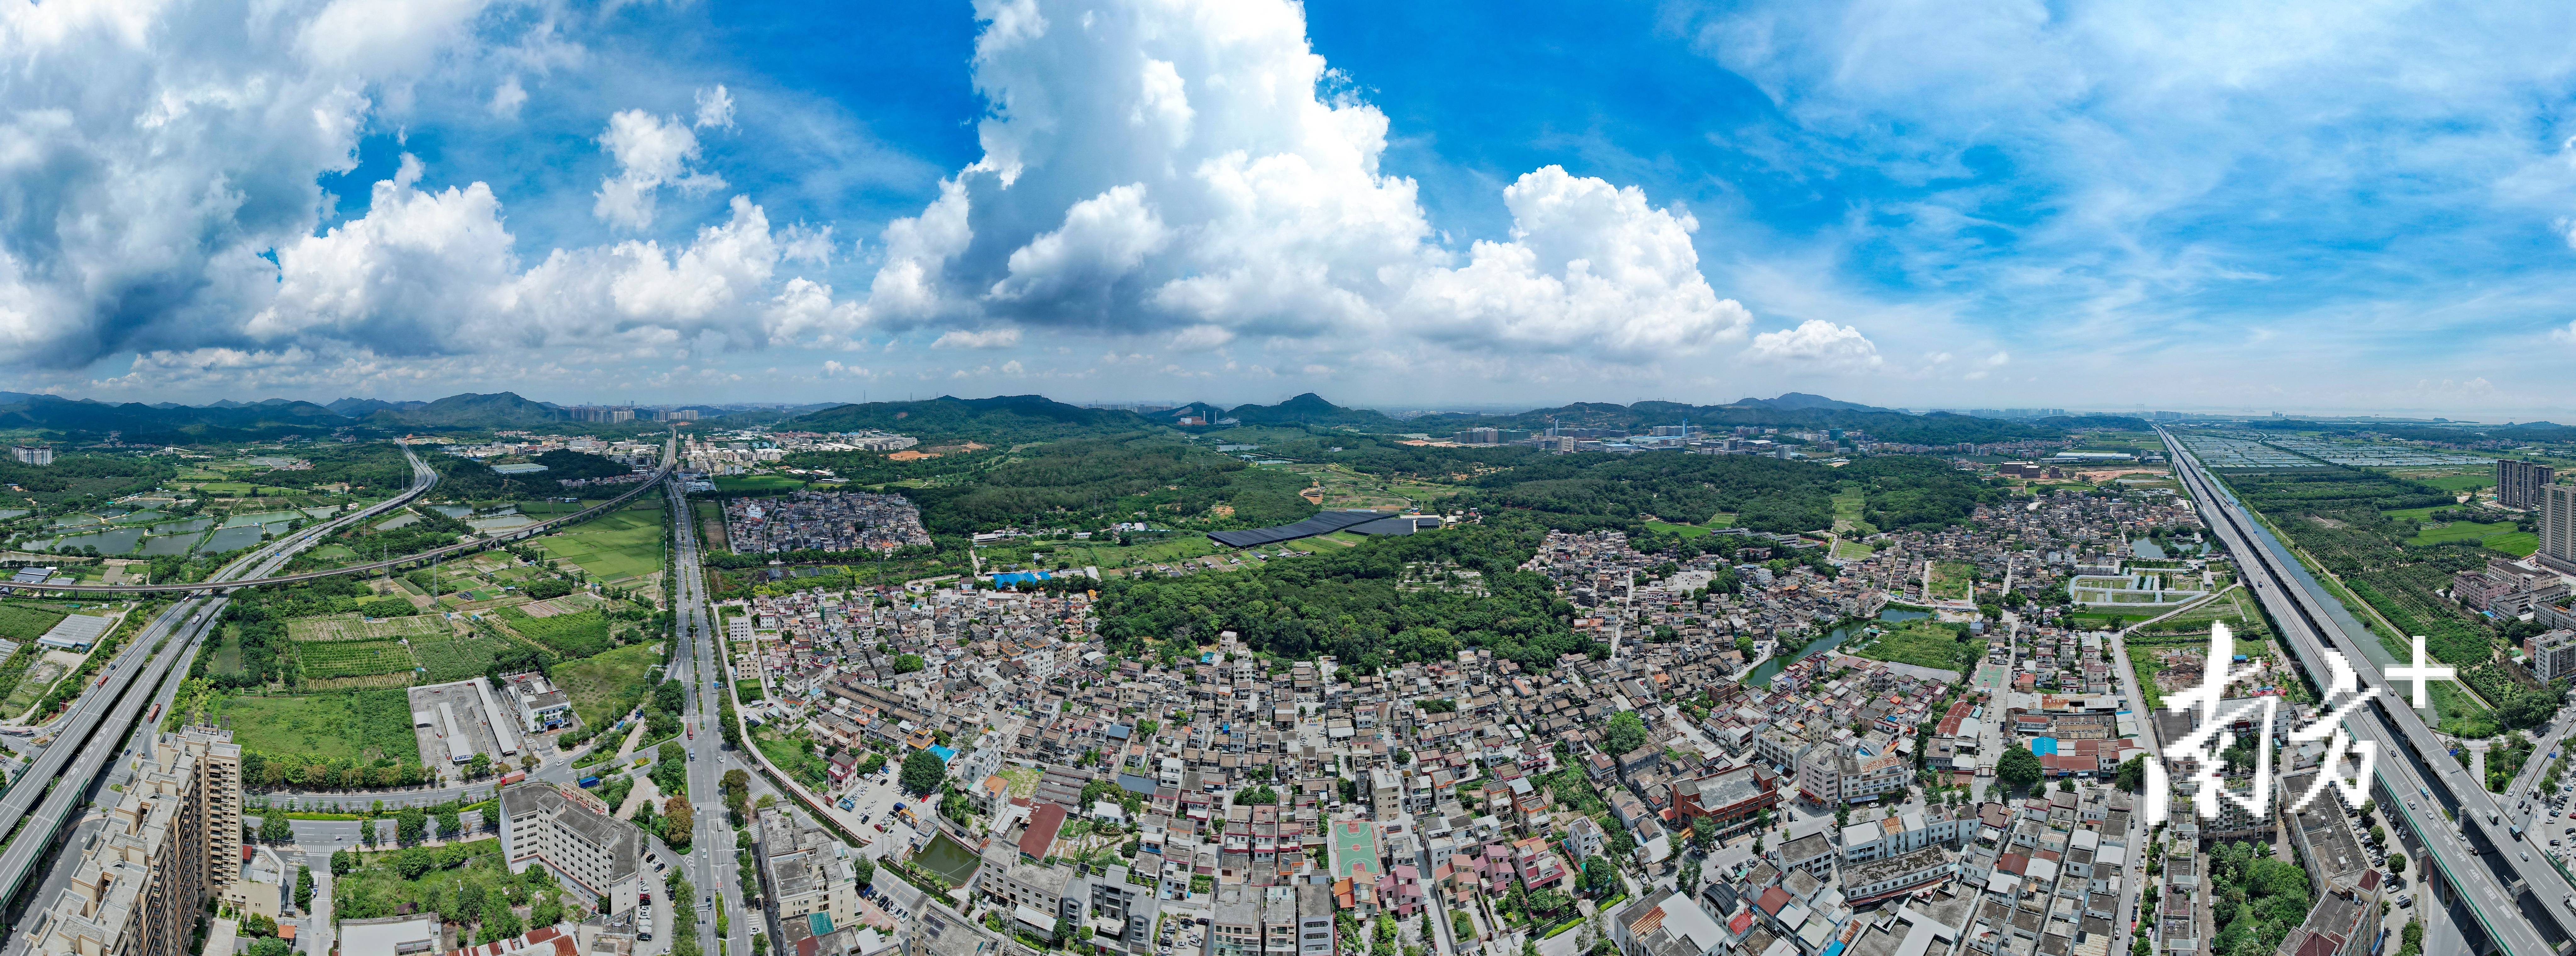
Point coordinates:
pixel 1324 522
pixel 2374 455
pixel 2241 450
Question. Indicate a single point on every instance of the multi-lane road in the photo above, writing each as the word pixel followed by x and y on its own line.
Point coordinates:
pixel 699 664
pixel 58 779
pixel 2414 768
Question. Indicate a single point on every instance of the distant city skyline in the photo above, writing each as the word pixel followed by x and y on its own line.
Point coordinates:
pixel 1242 200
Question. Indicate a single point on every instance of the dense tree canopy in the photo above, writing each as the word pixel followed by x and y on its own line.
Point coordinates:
pixel 1347 603
pixel 1598 491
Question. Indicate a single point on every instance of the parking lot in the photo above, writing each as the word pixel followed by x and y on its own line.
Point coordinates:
pixel 872 799
pixel 437 750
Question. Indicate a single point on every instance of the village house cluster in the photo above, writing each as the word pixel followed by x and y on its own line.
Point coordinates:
pixel 1820 807
pixel 823 521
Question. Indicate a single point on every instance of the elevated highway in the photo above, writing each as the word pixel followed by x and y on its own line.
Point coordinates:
pixel 57 781
pixel 2511 892
pixel 669 457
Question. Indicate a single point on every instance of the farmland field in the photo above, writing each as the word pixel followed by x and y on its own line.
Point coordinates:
pixel 620 546
pixel 351 627
pixel 26 622
pixel 325 660
pixel 343 724
pixel 604 687
pixel 579 634
pixel 452 657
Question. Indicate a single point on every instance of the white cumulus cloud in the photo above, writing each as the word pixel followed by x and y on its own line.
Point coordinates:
pixel 1170 167
pixel 1001 338
pixel 1816 344
pixel 715 108
pixel 651 152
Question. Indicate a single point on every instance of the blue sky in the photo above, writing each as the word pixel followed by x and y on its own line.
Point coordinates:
pixel 2321 207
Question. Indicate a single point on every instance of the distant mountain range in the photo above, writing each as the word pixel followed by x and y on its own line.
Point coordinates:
pixel 1035 417
pixel 228 420
pixel 1004 418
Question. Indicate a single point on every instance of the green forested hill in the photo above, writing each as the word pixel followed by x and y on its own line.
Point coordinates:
pixel 1004 418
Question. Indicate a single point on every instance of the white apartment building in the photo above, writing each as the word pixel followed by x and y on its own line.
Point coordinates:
pixel 809 871
pixel 573 835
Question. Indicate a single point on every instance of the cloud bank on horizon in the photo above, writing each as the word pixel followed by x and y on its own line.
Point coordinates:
pixel 1170 197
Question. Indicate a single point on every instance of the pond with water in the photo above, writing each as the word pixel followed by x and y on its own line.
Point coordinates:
pixel 503 522
pixel 453 511
pixel 230 538
pixel 1761 676
pixel 113 541
pixel 948 858
pixel 183 527
pixel 264 517
pixel 169 544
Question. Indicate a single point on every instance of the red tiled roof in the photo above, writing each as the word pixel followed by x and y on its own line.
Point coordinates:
pixel 1772 900
pixel 1044 822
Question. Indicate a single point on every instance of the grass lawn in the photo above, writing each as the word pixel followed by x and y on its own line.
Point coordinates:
pixel 2520 544
pixel 2147 660
pixel 1953 579
pixel 792 755
pixel 623 545
pixel 1165 551
pixel 26 622
pixel 2502 536
pixel 2471 482
pixel 366 723
pixel 2416 514
pixel 1847 510
pixel 780 483
pixel 1852 550
pixel 606 687
pixel 1924 644
pixel 227 653
pixel 1685 530
pixel 551 508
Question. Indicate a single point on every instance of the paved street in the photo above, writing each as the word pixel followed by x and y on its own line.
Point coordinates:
pixel 710 862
